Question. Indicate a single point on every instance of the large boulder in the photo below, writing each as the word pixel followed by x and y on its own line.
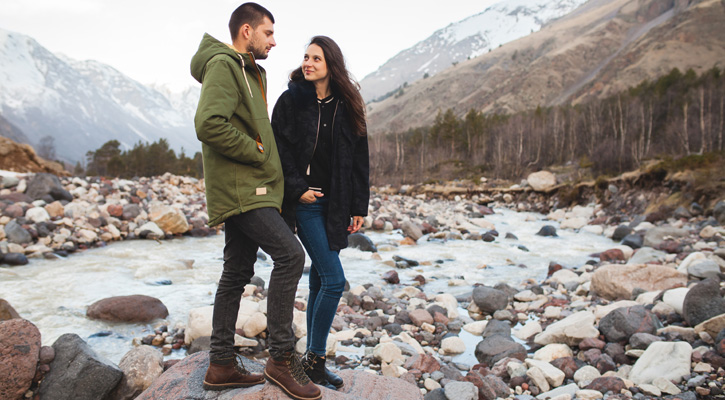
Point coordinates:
pixel 169 219
pixel 497 347
pixel 78 373
pixel 140 366
pixel 702 302
pixel 184 381
pixel 134 308
pixel 362 242
pixel 541 181
pixel 620 324
pixel 19 354
pixel 618 281
pixel 670 360
pixel 47 187
pixel 490 300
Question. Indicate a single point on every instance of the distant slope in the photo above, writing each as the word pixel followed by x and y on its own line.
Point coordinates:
pixel 601 48
pixel 11 131
pixel 469 38
pixel 83 104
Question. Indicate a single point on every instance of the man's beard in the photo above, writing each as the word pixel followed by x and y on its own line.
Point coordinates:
pixel 259 52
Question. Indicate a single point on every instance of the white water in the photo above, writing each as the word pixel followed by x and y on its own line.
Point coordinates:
pixel 54 294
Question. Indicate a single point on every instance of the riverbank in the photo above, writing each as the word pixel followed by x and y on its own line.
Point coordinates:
pixel 507 340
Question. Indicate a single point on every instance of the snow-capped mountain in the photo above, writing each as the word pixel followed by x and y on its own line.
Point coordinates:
pixel 501 23
pixel 83 104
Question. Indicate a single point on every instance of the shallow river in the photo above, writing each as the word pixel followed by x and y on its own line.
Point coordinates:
pixel 54 294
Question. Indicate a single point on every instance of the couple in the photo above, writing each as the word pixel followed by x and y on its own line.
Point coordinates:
pixel 308 169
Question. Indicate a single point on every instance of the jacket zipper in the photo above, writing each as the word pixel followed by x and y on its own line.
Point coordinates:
pixel 317 136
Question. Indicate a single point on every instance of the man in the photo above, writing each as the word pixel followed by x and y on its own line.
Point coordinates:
pixel 244 189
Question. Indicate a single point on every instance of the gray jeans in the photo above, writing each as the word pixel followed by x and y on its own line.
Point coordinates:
pixel 244 234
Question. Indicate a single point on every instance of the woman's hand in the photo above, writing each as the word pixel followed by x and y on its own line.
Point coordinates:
pixel 357 223
pixel 310 197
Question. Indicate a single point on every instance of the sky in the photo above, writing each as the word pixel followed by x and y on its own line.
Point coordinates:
pixel 152 41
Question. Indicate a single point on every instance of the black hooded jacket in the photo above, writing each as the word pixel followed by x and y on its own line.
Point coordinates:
pixel 294 121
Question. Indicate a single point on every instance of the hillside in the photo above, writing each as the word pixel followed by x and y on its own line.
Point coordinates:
pixel 83 104
pixel 601 48
pixel 478 34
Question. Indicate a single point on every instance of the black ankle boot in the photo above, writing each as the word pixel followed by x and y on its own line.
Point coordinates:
pixel 316 371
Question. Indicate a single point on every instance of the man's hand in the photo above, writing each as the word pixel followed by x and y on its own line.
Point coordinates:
pixel 310 197
pixel 357 223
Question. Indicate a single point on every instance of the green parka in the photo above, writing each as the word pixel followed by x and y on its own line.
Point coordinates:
pixel 242 170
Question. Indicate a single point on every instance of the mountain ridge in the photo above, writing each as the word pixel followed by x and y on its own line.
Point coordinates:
pixel 602 48
pixel 83 104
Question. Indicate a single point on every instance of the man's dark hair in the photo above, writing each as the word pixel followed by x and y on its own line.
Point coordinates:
pixel 248 13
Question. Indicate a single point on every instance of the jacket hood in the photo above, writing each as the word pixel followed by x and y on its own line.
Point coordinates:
pixel 209 48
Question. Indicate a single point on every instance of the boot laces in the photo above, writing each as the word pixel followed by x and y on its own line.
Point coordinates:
pixel 239 365
pixel 297 370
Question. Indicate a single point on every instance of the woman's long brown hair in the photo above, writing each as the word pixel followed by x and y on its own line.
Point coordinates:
pixel 341 82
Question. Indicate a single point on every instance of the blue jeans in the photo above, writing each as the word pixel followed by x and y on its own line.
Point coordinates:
pixel 244 234
pixel 327 279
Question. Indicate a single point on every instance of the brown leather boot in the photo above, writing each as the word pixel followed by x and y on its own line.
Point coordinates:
pixel 289 375
pixel 233 375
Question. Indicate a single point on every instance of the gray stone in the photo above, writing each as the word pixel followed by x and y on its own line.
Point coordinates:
pixel 641 340
pixel 569 389
pixel 140 366
pixel 461 391
pixel 46 187
pixel 8 181
pixel 655 236
pixel 634 241
pixel 623 322
pixel 495 348
pixel 411 230
pixel 497 327
pixel 704 269
pixel 17 234
pixel 547 230
pixel 621 232
pixel 490 300
pixel 362 242
pixel 719 212
pixel 77 373
pixel 437 394
pixel 14 259
pixel 703 302
pixel 647 255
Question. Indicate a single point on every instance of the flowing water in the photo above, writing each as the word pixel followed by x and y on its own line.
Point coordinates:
pixel 182 273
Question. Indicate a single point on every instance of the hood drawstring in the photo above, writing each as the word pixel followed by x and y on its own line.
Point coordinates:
pixel 244 72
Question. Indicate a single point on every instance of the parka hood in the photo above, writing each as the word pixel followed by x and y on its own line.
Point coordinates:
pixel 208 49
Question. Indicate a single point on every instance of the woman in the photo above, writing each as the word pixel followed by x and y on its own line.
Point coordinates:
pixel 319 126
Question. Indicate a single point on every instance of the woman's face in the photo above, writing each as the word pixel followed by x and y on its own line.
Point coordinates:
pixel 314 66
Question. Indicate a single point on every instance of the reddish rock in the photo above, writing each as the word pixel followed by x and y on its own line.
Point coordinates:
pixel 14 211
pixel 612 255
pixel 428 228
pixel 391 277
pixel 47 355
pixel 7 311
pixel 591 343
pixel 420 316
pixel 19 353
pixel 438 317
pixel 553 267
pixel 134 308
pixel 567 365
pixel 420 279
pixel 423 362
pixel 115 210
pixel 606 384
pixel 408 242
pixel 378 224
pixel 184 381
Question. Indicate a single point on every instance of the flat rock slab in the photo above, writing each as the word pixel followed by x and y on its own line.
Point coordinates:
pixel 135 308
pixel 184 381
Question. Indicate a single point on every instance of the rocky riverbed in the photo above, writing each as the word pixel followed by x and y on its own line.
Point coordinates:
pixel 643 318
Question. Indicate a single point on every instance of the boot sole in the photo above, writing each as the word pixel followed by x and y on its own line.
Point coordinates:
pixel 224 386
pixel 274 382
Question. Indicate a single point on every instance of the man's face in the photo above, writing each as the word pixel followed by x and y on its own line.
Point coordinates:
pixel 262 40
